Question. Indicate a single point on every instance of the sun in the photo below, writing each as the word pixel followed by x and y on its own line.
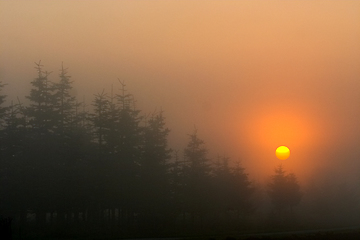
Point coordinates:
pixel 282 152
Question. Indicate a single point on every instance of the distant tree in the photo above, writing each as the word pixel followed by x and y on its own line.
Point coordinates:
pixel 294 194
pixel 331 201
pixel 3 146
pixel 197 192
pixel 15 118
pixel 65 104
pixel 99 118
pixel 223 187
pixel 154 174
pixel 71 153
pixel 40 146
pixel 156 152
pixel 177 186
pixel 41 110
pixel 243 191
pixel 284 190
pixel 3 109
pixel 196 157
pixel 111 132
pixel 232 193
pixel 117 170
pixel 129 143
pixel 15 170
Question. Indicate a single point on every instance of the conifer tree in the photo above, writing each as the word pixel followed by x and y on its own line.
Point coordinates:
pixel 197 192
pixel 294 193
pixel 3 109
pixel 65 104
pixel 40 145
pixel 154 174
pixel 243 191
pixel 99 118
pixel 232 191
pixel 284 190
pixel 14 173
pixel 128 148
pixel 196 157
pixel 223 181
pixel 4 161
pixel 41 110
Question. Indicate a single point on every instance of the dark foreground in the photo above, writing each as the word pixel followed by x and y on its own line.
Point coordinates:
pixel 323 234
pixel 349 233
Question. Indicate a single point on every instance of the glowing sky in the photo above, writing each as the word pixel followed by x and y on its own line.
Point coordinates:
pixel 250 75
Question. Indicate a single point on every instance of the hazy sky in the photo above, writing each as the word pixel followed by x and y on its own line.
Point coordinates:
pixel 250 75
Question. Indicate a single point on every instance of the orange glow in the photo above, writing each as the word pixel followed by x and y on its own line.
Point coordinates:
pixel 283 128
pixel 282 152
pixel 288 125
pixel 268 125
pixel 255 76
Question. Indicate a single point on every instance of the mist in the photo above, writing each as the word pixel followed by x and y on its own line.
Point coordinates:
pixel 245 76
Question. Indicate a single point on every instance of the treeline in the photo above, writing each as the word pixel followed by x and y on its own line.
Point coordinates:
pixel 68 171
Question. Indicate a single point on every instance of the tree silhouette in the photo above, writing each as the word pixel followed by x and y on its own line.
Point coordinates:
pixel 3 109
pixel 284 190
pixel 154 175
pixel 41 111
pixel 99 118
pixel 108 172
pixel 232 193
pixel 14 174
pixel 129 143
pixel 65 104
pixel 40 145
pixel 197 192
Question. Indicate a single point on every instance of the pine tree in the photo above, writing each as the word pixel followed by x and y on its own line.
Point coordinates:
pixel 243 190
pixel 111 133
pixel 197 192
pixel 128 155
pixel 4 161
pixel 294 194
pixel 284 190
pixel 41 110
pixel 155 149
pixel 44 149
pixel 73 144
pixel 65 104
pixel 223 182
pixel 99 118
pixel 232 192
pixel 196 156
pixel 2 108
pixel 154 174
pixel 15 192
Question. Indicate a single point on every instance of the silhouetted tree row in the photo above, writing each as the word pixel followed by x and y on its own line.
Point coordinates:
pixel 66 170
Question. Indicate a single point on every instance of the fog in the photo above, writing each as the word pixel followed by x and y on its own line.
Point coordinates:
pixel 248 75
